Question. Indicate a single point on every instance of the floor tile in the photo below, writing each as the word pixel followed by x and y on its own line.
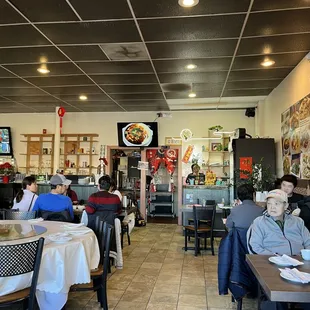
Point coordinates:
pixel 161 307
pixel 193 290
pixel 167 288
pixel 125 305
pixel 189 300
pixel 164 298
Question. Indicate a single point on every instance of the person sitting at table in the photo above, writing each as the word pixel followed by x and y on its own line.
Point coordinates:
pixel 71 194
pixel 288 184
pixel 196 176
pixel 242 216
pixel 113 190
pixel 55 201
pixel 277 232
pixel 103 203
pixel 26 197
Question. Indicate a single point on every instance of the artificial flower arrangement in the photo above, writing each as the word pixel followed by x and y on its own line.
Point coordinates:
pixel 6 169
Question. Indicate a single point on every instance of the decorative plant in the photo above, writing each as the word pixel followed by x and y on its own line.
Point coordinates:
pixel 6 169
pixel 216 128
pixel 261 177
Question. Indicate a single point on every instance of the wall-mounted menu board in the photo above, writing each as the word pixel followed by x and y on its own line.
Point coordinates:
pixel 295 131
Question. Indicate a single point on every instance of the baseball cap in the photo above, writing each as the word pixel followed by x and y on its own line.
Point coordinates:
pixel 277 194
pixel 59 179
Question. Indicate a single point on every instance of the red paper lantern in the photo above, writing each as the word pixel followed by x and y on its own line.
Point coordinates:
pixel 61 112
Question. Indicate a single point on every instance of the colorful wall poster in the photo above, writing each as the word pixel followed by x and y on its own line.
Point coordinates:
pixel 295 138
pixel 245 166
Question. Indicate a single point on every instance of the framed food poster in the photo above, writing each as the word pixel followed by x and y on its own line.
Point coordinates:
pixel 295 138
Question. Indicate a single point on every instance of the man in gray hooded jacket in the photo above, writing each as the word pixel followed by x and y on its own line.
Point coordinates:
pixel 276 231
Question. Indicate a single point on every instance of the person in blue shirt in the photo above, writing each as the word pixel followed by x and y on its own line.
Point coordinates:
pixel 55 201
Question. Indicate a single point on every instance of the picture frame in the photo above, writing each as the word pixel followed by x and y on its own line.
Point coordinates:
pixel 173 141
pixel 215 147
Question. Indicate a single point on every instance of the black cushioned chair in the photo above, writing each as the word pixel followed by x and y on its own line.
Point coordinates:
pixel 19 259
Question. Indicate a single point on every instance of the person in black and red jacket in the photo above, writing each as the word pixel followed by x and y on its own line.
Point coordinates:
pixel 103 203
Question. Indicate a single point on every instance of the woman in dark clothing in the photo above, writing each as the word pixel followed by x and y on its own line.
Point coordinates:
pixel 72 195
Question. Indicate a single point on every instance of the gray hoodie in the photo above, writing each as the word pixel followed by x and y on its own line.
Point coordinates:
pixel 265 237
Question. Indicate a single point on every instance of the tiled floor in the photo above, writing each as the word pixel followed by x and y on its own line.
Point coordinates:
pixel 159 275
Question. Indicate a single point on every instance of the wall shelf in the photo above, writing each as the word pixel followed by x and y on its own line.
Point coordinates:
pixel 35 145
pixel 71 149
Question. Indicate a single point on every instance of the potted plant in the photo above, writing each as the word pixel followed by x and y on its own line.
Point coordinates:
pixel 6 170
pixel 261 178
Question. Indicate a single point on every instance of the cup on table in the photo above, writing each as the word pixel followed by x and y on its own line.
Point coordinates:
pixel 305 253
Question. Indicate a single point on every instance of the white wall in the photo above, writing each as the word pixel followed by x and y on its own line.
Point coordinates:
pixel 105 124
pixel 293 88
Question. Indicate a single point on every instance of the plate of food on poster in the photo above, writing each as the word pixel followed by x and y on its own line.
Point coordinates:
pixel 295 165
pixel 286 145
pixel 295 143
pixel 305 166
pixel 305 140
pixel 304 109
pixel 286 164
pixel 294 119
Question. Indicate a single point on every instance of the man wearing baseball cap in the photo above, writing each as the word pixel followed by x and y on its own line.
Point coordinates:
pixel 277 231
pixel 55 201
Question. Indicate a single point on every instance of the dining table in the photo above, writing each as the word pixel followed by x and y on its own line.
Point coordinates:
pixel 63 264
pixel 274 286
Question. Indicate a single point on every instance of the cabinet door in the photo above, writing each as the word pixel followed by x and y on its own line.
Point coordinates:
pixel 133 171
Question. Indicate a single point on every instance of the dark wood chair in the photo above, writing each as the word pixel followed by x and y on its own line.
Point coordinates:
pixel 19 215
pixel 19 259
pixel 202 228
pixel 99 275
pixel 125 230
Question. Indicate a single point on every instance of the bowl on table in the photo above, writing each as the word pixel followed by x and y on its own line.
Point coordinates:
pixel 220 205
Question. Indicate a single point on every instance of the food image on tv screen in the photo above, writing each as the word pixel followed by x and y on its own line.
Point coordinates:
pixel 138 134
pixel 4 141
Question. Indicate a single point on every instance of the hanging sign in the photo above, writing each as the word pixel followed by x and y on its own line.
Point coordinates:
pixel 188 153
pixel 61 112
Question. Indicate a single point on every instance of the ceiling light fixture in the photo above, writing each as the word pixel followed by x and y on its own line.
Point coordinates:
pixel 192 95
pixel 83 97
pixel 191 67
pixel 43 70
pixel 267 62
pixel 188 3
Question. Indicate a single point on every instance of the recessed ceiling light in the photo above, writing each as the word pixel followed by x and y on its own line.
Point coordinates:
pixel 83 97
pixel 43 70
pixel 267 63
pixel 191 67
pixel 192 95
pixel 188 3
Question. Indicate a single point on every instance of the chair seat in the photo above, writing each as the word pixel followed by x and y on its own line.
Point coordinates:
pixel 20 295
pixel 97 272
pixel 84 286
pixel 200 229
pixel 202 221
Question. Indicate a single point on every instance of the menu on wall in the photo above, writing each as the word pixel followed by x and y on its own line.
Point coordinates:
pixel 295 132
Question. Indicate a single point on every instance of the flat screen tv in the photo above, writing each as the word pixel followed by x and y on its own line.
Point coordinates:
pixel 5 142
pixel 137 134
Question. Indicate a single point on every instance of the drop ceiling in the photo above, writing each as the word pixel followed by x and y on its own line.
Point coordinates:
pixel 132 55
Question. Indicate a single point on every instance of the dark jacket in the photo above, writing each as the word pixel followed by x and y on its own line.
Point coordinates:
pixel 234 274
pixel 243 215
pixel 304 206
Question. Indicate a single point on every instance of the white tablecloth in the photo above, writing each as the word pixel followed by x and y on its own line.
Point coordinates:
pixel 62 265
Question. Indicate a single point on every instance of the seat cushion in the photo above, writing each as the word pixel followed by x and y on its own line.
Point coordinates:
pixel 20 295
pixel 97 272
pixel 200 229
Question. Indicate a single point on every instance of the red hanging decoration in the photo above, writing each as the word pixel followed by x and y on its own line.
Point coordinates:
pixel 167 157
pixel 61 112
